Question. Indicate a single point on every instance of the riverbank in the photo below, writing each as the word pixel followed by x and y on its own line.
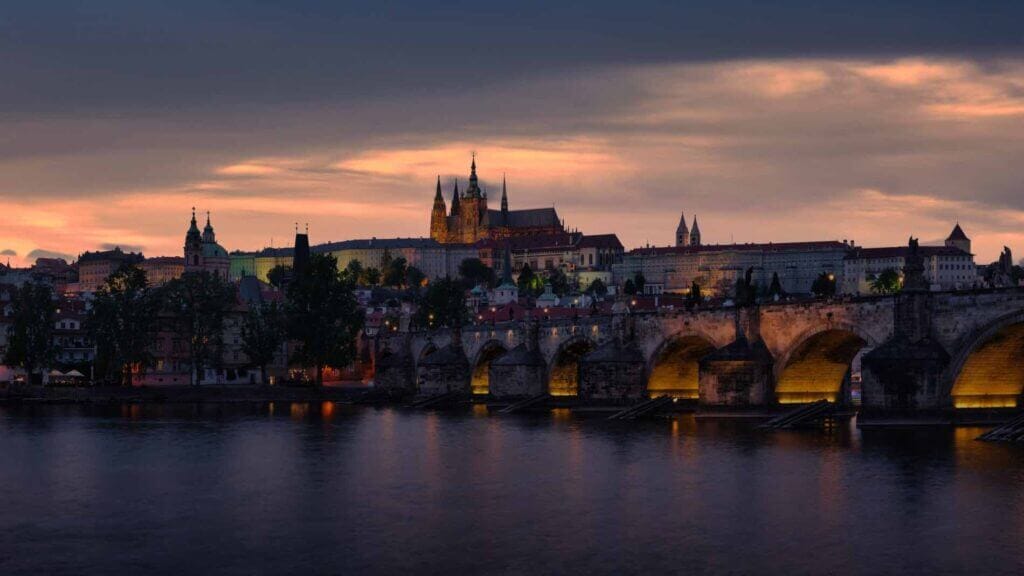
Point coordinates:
pixel 14 393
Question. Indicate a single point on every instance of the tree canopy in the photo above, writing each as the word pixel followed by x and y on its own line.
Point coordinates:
pixel 197 305
pixel 475 272
pixel 443 304
pixel 263 334
pixel 887 282
pixel 324 317
pixel 30 343
pixel 122 322
pixel 824 285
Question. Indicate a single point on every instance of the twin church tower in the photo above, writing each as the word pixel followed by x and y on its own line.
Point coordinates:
pixel 687 236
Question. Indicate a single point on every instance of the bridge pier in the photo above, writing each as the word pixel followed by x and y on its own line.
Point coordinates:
pixel 521 372
pixel 444 371
pixel 739 374
pixel 904 374
pixel 613 372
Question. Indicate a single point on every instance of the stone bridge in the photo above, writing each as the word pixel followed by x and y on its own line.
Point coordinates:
pixel 910 352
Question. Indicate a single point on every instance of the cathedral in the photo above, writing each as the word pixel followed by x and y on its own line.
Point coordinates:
pixel 470 220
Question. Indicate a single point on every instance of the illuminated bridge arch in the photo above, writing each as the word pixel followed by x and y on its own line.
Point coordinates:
pixel 674 368
pixel 564 370
pixel 491 350
pixel 988 369
pixel 818 364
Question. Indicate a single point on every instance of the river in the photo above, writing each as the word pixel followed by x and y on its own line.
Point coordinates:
pixel 333 489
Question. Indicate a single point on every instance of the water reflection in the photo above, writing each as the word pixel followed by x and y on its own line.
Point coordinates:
pixel 325 487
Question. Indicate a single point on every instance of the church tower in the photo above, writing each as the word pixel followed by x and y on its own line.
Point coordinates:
pixel 682 232
pixel 695 233
pixel 473 209
pixel 957 239
pixel 193 245
pixel 438 216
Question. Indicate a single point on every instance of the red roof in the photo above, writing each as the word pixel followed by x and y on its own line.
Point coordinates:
pixel 903 252
pixel 767 247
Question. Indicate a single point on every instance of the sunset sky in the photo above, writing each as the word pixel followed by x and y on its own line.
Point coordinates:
pixel 769 120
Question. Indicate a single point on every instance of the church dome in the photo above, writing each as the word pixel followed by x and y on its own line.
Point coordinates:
pixel 214 250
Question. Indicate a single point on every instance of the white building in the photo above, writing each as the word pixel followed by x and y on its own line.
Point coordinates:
pixel 947 267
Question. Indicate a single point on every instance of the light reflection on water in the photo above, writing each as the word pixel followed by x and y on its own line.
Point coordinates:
pixel 327 488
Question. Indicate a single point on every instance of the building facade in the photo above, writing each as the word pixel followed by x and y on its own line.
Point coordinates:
pixel 947 267
pixel 470 220
pixel 163 269
pixel 715 268
pixel 95 267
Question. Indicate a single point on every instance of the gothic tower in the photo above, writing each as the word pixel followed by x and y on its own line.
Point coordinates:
pixel 695 233
pixel 473 209
pixel 438 216
pixel 682 232
pixel 193 245
pixel 504 201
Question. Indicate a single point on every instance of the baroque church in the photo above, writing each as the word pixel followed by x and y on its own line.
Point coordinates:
pixel 202 252
pixel 470 220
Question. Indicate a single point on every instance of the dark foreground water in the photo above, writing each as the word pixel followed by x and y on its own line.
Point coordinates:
pixel 332 490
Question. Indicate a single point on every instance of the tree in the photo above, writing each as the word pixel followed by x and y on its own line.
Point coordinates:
pixel 529 283
pixel 824 285
pixel 694 297
pixel 30 343
pixel 597 288
pixel 370 277
pixel 263 333
pixel 775 289
pixel 639 281
pixel 629 288
pixel 888 282
pixel 323 316
pixel 354 271
pixel 559 282
pixel 395 272
pixel 277 275
pixel 122 323
pixel 475 272
pixel 197 305
pixel 414 277
pixel 444 304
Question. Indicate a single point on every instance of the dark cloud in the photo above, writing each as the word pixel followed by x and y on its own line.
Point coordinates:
pixel 122 247
pixel 40 253
pixel 131 58
pixel 8 252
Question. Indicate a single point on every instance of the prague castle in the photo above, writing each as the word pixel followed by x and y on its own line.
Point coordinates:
pixel 470 220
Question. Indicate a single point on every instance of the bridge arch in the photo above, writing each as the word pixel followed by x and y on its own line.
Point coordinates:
pixel 674 367
pixel 819 362
pixel 491 350
pixel 564 367
pixel 986 370
pixel 426 350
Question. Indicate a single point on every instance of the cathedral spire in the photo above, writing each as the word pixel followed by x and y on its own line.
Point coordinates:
pixel 504 196
pixel 695 232
pixel 682 232
pixel 455 198
pixel 437 195
pixel 473 190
